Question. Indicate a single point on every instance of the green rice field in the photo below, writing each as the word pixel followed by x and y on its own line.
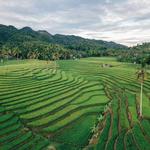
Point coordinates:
pixel 55 105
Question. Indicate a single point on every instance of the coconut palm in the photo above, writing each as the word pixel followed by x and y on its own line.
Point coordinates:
pixel 5 52
pixel 141 75
pixel 16 51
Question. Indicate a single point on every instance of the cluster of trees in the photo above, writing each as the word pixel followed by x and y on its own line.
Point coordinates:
pixel 44 51
pixel 27 43
pixel 136 54
pixel 37 51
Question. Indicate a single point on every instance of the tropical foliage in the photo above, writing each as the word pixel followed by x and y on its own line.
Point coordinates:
pixel 27 43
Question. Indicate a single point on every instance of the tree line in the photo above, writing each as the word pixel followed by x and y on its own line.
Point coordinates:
pixel 26 43
pixel 136 54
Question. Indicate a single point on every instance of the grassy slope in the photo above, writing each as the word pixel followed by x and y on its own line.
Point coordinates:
pixel 57 102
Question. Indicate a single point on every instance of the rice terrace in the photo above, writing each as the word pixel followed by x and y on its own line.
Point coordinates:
pixel 75 75
pixel 72 105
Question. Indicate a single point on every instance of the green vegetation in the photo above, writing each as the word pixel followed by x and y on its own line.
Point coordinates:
pixel 136 54
pixel 57 103
pixel 27 43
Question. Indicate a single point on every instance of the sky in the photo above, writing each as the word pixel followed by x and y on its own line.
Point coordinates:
pixel 122 21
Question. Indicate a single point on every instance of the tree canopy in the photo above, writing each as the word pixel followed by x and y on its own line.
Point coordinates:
pixel 26 43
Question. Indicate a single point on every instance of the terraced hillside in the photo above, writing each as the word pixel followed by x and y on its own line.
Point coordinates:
pixel 57 104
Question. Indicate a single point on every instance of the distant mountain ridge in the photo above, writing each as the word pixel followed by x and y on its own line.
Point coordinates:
pixel 26 43
pixel 10 33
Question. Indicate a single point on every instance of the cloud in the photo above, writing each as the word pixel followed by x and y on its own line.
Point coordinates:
pixel 125 22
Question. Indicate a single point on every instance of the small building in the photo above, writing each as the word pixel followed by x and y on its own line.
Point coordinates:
pixel 106 65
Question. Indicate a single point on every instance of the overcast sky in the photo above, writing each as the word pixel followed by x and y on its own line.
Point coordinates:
pixel 122 21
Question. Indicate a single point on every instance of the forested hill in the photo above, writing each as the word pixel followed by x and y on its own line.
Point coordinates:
pixel 136 54
pixel 27 43
pixel 144 47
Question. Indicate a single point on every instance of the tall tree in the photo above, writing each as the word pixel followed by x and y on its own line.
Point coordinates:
pixel 141 75
pixel 17 51
pixel 5 52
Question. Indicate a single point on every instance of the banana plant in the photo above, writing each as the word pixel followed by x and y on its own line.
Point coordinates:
pixel 94 129
pixel 100 118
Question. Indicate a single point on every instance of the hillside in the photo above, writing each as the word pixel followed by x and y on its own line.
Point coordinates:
pixel 73 105
pixel 136 54
pixel 28 41
pixel 145 47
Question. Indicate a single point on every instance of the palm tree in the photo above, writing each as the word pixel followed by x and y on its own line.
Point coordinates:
pixel 5 52
pixel 33 54
pixel 16 51
pixel 141 75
